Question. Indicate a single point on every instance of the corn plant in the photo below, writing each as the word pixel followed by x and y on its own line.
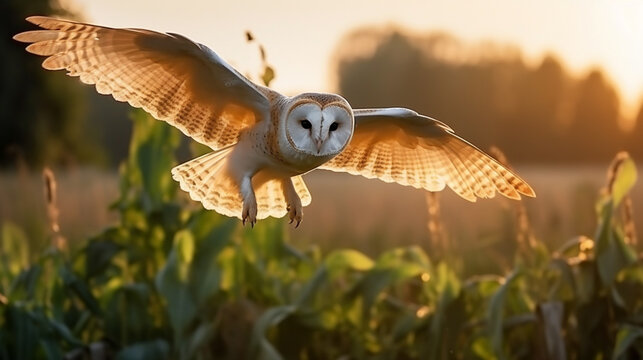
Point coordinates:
pixel 170 280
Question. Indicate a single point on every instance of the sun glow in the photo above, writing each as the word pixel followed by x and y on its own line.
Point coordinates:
pixel 626 59
pixel 584 34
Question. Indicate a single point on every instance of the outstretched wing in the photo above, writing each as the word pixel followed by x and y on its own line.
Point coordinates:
pixel 168 75
pixel 399 145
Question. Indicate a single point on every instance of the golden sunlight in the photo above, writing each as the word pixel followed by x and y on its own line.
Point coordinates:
pixel 605 33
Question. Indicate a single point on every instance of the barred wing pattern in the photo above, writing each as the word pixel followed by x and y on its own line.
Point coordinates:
pixel 174 79
pixel 399 145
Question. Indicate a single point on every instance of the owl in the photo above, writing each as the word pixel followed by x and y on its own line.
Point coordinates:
pixel 262 141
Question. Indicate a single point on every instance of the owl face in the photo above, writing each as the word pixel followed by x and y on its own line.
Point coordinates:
pixel 319 128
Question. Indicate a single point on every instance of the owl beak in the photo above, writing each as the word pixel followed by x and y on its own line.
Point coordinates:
pixel 318 143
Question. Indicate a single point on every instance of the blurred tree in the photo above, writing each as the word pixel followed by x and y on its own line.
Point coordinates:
pixel 594 134
pixel 485 92
pixel 539 97
pixel 42 112
pixel 388 87
pixel 635 137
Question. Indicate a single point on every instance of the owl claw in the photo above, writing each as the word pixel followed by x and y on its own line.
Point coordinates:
pixel 249 213
pixel 295 213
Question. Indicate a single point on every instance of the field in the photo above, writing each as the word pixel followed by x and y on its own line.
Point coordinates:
pixel 363 277
pixel 348 211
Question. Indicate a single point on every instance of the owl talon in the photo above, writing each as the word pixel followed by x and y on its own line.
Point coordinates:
pixel 249 213
pixel 295 213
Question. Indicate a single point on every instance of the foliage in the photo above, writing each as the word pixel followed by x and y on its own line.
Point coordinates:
pixel 43 112
pixel 486 91
pixel 171 280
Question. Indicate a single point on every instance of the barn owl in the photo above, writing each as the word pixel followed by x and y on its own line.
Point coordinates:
pixel 263 141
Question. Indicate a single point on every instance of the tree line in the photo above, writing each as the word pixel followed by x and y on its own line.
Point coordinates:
pixel 489 94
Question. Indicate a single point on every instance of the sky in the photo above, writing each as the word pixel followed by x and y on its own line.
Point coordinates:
pixel 301 36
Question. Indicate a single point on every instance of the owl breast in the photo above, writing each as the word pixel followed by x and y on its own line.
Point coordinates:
pixel 303 162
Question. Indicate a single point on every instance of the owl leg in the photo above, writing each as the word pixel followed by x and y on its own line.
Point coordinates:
pixel 249 212
pixel 295 210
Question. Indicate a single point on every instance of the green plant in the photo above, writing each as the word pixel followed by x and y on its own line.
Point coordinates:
pixel 171 280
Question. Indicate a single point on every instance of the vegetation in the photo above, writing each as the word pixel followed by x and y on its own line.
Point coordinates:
pixel 43 112
pixel 171 280
pixel 175 281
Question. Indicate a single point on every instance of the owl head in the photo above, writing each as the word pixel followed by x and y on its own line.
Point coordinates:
pixel 319 124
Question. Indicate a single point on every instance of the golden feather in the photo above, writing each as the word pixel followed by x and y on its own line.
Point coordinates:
pixel 401 146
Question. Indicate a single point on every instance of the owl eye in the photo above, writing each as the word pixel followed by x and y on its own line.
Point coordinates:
pixel 306 124
pixel 333 126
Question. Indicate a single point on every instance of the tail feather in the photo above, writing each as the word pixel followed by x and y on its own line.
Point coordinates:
pixel 208 180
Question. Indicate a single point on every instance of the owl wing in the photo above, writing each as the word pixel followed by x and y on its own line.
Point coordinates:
pixel 402 146
pixel 174 79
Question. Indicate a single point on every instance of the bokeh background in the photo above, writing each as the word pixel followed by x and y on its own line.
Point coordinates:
pixel 555 85
pixel 111 260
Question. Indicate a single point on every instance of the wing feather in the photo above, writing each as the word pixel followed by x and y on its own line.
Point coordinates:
pixel 399 145
pixel 174 79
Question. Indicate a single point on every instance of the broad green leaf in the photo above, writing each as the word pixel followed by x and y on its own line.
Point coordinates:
pixel 64 332
pixel 14 251
pixel 99 255
pixel 495 314
pixel 405 324
pixel 417 255
pixel 260 346
pixel 25 285
pixel 586 281
pixel 226 261
pixel 180 305
pixel 339 260
pixel 200 338
pixel 151 350
pixel 448 287
pixel 184 247
pixel 211 238
pixel 551 319
pixel 564 286
pixel 390 268
pixel 482 348
pixel 130 319
pixel 51 349
pixel 377 279
pixel 624 180
pixel 629 285
pixel 446 282
pixel 23 331
pixel 325 320
pixel 612 253
pixel 171 284
pixel 483 285
pixel 627 336
pixel 152 148
pixel 311 288
pixel 80 289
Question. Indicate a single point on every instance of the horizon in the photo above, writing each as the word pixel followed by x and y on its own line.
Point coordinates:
pixel 604 34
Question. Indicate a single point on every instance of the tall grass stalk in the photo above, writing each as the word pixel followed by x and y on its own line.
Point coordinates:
pixel 50 187
pixel 525 235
